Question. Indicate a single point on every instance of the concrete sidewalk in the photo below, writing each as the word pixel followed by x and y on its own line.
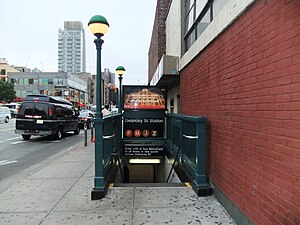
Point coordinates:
pixel 59 193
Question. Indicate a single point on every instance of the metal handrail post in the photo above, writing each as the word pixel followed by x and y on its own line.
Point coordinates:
pixel 200 177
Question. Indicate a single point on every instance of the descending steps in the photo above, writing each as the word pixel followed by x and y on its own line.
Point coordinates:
pixel 149 185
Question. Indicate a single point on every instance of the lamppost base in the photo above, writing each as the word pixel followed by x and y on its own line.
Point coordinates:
pixel 98 193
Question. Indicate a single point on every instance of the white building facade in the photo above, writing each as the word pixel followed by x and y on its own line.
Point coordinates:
pixel 71 48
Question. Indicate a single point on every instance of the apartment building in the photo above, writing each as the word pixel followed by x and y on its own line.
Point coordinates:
pixel 71 48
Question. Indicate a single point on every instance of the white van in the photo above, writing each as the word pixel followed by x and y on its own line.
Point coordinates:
pixel 13 106
pixel 5 114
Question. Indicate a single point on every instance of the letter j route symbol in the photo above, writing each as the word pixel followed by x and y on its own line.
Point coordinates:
pixel 145 133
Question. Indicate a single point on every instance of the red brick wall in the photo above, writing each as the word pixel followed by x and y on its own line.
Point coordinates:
pixel 158 39
pixel 247 82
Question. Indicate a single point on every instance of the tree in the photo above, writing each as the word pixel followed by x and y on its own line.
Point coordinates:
pixel 7 91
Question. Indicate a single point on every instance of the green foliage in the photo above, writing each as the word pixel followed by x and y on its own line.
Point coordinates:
pixel 7 91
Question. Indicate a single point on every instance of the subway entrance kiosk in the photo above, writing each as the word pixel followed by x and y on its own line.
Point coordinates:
pixel 143 133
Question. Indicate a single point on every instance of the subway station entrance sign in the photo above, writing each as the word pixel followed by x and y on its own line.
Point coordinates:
pixel 144 120
pixel 143 127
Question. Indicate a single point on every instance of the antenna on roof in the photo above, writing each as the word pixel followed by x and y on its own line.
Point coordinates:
pixel 26 61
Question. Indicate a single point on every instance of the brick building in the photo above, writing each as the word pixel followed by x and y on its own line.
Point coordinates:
pixel 158 41
pixel 239 65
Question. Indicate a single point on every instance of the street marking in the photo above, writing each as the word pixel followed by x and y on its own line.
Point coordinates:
pixel 23 141
pixel 16 142
pixel 6 129
pixel 12 138
pixel 6 162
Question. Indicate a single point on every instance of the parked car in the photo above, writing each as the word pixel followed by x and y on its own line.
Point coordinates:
pixel 114 109
pixel 14 107
pixel 5 114
pixel 46 115
pixel 86 117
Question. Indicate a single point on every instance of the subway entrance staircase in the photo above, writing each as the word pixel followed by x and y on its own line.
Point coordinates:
pixel 183 163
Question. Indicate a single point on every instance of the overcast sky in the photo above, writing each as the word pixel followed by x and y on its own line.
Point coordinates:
pixel 29 32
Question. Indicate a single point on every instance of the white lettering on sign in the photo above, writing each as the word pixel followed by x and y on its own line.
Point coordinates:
pixel 143 120
pixel 133 120
pixel 156 120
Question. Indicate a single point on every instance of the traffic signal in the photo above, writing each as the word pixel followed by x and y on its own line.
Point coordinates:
pixel 115 89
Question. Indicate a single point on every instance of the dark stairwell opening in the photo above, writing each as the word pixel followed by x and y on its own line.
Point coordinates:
pixel 135 172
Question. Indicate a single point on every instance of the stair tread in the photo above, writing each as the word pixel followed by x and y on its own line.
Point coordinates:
pixel 149 185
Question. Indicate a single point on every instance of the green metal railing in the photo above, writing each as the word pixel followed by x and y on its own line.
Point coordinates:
pixel 112 128
pixel 185 142
pixel 186 138
pixel 107 163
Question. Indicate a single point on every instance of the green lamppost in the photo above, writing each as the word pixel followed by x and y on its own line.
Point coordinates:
pixel 98 25
pixel 120 70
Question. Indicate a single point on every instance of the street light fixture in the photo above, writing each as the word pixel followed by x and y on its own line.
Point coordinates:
pixel 120 70
pixel 98 25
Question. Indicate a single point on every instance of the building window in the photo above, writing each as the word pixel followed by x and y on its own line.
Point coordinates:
pixel 178 104
pixel 200 5
pixel 204 22
pixel 172 105
pixel 31 81
pixel 50 81
pixel 198 15
pixel 26 81
pixel 23 93
pixel 45 81
pixel 2 72
pixel 12 81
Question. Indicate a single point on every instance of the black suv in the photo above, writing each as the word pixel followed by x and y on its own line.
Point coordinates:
pixel 46 115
